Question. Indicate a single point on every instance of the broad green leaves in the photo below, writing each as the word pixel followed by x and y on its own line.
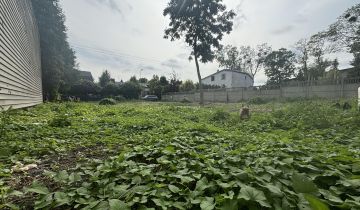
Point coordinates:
pixel 251 194
pixel 207 204
pixel 302 184
pixel 38 188
pixel 268 162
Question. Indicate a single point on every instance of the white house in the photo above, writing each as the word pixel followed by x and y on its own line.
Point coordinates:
pixel 20 60
pixel 229 79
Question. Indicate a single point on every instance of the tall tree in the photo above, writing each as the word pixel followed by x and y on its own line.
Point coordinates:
pixel 245 59
pixel 228 57
pixel 318 49
pixel 202 25
pixel 105 78
pixel 158 86
pixel 188 85
pixel 302 48
pixel 57 58
pixel 133 79
pixel 174 84
pixel 344 32
pixel 333 73
pixel 279 66
pixel 355 50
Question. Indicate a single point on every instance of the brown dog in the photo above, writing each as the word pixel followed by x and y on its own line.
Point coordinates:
pixel 245 113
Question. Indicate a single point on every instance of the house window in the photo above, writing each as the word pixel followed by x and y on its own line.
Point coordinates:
pixel 212 78
pixel 223 76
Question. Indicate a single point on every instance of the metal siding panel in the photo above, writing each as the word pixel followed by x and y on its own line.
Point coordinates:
pixel 20 64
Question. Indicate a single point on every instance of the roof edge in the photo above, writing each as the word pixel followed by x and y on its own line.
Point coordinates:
pixel 241 72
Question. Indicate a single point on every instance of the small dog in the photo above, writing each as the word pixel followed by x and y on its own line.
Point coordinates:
pixel 245 113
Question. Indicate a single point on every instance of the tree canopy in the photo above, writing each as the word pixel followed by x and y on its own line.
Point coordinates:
pixel 244 59
pixel 58 60
pixel 279 66
pixel 105 78
pixel 201 24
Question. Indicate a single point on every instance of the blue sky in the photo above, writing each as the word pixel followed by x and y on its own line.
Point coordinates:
pixel 125 36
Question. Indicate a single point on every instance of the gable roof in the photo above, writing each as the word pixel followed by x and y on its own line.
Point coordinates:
pixel 85 74
pixel 229 70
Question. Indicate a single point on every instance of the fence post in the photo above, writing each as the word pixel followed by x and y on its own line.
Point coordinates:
pixel 242 94
pixel 342 88
pixel 359 98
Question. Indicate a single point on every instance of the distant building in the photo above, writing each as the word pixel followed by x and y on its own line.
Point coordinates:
pixel 86 75
pixel 145 90
pixel 229 79
pixel 119 83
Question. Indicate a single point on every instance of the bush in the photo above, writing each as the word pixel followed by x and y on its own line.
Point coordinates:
pixel 107 101
pixel 119 98
pixel 131 90
pixel 61 121
pixel 220 115
pixel 5 120
pixel 110 89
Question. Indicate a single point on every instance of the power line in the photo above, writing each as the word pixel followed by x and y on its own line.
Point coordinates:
pixel 116 53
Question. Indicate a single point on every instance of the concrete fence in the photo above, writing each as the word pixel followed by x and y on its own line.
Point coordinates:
pixel 323 89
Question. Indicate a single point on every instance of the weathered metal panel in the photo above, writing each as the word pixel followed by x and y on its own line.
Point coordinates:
pixel 20 64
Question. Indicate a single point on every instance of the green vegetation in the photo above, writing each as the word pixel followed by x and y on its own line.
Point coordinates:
pixel 299 155
pixel 58 60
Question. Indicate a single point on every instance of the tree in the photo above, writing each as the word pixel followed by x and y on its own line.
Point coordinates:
pixel 245 59
pixel 318 49
pixel 188 85
pixel 302 48
pixel 344 32
pixel 174 84
pixel 355 50
pixel 110 90
pixel 133 79
pixel 202 25
pixel 84 88
pixel 130 90
pixel 58 60
pixel 253 58
pixel 158 86
pixel 279 66
pixel 334 71
pixel 105 78
pixel 143 80
pixel 228 57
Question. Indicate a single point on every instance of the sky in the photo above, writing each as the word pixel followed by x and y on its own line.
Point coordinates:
pixel 125 37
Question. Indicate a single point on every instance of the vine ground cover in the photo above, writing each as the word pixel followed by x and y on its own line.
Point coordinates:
pixel 300 155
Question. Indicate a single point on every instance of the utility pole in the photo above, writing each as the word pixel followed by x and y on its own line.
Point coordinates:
pixel 140 73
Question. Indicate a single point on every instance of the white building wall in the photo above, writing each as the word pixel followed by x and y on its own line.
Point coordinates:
pixel 20 63
pixel 231 80
pixel 241 80
pixel 218 79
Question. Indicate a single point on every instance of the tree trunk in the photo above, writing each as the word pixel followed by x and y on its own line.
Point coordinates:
pixel 200 83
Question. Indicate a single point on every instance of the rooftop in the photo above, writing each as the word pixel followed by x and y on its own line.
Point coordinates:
pixel 229 70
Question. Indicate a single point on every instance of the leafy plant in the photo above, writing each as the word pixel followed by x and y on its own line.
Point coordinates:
pixel 107 101
pixel 61 120
pixel 174 156
pixel 5 120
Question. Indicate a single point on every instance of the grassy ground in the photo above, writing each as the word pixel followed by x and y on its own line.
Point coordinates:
pixel 299 155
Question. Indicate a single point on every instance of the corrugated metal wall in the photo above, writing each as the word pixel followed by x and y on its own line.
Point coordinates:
pixel 20 64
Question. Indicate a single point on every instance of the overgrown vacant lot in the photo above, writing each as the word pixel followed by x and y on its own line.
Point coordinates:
pixel 301 155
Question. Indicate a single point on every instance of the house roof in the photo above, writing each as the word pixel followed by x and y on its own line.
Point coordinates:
pixel 85 74
pixel 229 70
